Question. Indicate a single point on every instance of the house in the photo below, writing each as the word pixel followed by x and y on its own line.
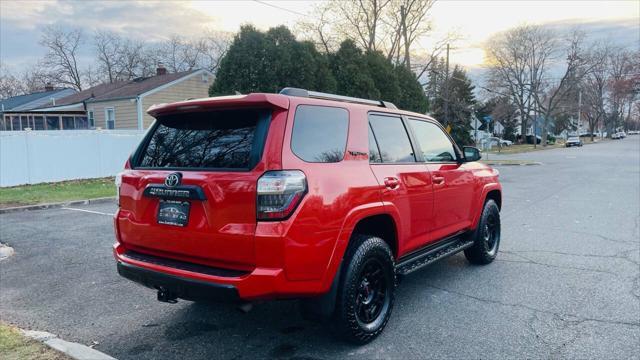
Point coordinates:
pixel 123 104
pixel 16 112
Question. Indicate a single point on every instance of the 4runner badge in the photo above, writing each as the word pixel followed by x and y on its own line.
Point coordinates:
pixel 173 180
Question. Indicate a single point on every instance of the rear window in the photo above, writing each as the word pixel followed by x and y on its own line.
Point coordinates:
pixel 229 139
pixel 392 139
pixel 320 133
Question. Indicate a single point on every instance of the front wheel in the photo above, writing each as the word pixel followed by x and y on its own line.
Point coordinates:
pixel 366 292
pixel 486 237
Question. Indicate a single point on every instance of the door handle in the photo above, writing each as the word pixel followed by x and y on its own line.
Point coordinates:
pixel 438 180
pixel 391 183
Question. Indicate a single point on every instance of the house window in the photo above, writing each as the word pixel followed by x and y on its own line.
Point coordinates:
pixel 81 122
pixel 24 122
pixel 38 122
pixel 92 122
pixel 15 123
pixel 110 118
pixel 53 123
pixel 67 123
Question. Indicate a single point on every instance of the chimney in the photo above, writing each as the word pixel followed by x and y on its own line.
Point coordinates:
pixel 48 87
pixel 161 70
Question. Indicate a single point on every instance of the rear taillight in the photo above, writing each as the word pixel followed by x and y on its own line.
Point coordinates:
pixel 279 193
pixel 118 182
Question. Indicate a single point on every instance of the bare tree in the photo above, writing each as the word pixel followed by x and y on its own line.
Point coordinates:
pixel 621 64
pixel 548 92
pixel 10 85
pixel 35 78
pixel 594 86
pixel 513 67
pixel 216 44
pixel 362 21
pixel 320 29
pixel 61 60
pixel 181 54
pixel 108 47
pixel 134 60
pixel 407 22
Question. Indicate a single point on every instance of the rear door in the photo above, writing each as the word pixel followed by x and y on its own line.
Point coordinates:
pixel 191 192
pixel 406 183
pixel 453 183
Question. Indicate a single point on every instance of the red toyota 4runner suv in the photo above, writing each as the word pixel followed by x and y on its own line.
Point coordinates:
pixel 299 195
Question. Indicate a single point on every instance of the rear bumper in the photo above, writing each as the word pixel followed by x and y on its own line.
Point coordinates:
pixel 189 284
pixel 183 288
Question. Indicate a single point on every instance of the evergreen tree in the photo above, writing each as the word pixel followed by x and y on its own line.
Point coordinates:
pixel 350 70
pixel 460 100
pixel 268 62
pixel 384 78
pixel 412 95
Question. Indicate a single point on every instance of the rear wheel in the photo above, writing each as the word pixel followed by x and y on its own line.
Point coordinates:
pixel 366 291
pixel 486 237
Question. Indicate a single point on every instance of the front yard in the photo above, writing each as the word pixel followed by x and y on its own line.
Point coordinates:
pixel 523 148
pixel 15 346
pixel 57 192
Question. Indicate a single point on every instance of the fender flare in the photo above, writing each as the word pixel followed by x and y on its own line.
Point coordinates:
pixel 324 305
pixel 479 205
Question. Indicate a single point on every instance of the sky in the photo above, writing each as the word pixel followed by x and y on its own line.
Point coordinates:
pixel 21 22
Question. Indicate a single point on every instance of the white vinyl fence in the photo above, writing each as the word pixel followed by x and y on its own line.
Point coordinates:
pixel 31 157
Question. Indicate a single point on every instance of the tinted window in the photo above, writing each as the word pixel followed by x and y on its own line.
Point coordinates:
pixel 216 139
pixel 320 133
pixel 374 152
pixel 392 139
pixel 435 144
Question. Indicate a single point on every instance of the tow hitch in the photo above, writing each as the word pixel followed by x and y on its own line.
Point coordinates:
pixel 167 296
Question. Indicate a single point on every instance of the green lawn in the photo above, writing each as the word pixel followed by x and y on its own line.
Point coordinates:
pixel 56 192
pixel 15 346
pixel 522 148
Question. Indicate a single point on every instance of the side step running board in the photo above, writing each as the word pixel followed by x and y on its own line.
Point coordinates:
pixel 431 254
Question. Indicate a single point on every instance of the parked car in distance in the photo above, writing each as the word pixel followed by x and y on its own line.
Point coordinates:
pixel 618 135
pixel 573 141
pixel 634 132
pixel 306 195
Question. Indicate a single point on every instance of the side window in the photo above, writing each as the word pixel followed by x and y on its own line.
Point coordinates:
pixel 320 133
pixel 392 139
pixel 435 144
pixel 110 118
pixel 374 152
pixel 92 123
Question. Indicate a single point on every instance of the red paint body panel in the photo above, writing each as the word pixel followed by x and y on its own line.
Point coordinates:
pixel 298 256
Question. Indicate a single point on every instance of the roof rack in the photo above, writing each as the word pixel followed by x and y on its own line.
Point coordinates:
pixel 290 91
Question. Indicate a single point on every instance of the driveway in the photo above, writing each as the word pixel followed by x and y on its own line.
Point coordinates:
pixel 566 282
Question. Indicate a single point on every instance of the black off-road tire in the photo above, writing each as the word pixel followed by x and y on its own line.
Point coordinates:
pixel 486 237
pixel 368 267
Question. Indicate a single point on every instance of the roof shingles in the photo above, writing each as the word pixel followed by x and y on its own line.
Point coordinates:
pixel 121 89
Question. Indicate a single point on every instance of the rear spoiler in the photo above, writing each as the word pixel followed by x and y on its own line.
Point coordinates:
pixel 250 100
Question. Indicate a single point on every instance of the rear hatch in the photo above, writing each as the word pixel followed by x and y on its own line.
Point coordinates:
pixel 190 194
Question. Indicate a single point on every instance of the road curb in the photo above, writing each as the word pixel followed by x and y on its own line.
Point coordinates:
pixel 74 350
pixel 56 205
pixel 512 163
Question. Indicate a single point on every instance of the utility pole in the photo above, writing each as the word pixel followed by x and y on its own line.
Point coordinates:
pixel 579 108
pixel 446 90
pixel 476 129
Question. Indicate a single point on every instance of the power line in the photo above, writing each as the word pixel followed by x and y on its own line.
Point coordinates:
pixel 281 8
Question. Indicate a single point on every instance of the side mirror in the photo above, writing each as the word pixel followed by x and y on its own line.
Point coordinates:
pixel 471 153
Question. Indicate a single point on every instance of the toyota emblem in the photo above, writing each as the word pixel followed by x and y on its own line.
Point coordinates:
pixel 173 180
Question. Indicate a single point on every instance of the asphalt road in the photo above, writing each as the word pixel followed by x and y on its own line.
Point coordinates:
pixel 566 283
